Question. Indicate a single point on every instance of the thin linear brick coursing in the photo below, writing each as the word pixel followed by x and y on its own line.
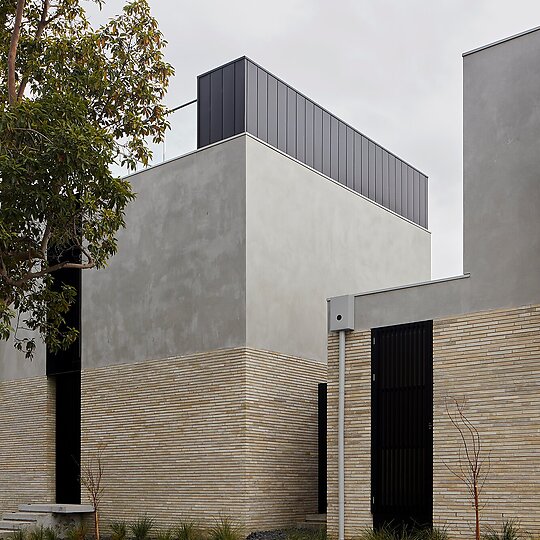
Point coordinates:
pixel 27 444
pixel 282 435
pixel 229 432
pixel 357 433
pixel 490 362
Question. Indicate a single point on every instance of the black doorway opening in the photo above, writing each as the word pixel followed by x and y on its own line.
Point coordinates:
pixel 64 367
pixel 323 453
pixel 401 427
pixel 68 438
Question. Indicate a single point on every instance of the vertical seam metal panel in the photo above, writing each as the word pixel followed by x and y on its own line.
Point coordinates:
pixel 367 172
pixel 228 101
pixel 240 96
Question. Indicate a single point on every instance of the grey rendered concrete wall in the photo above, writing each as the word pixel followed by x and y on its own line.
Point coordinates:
pixel 501 195
pixel 309 238
pixel 430 300
pixel 177 284
pixel 14 366
pixel 501 160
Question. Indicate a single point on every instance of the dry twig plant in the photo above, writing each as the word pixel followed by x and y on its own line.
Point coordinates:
pixel 92 473
pixel 473 461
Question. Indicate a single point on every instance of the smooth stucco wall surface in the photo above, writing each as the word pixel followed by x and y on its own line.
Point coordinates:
pixel 309 238
pixel 14 366
pixel 501 195
pixel 238 244
pixel 235 244
pixel 501 172
pixel 176 285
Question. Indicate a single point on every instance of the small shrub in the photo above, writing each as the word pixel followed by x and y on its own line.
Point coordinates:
pixel 224 529
pixel 382 533
pixel 37 533
pixel 430 534
pixel 389 532
pixel 510 530
pixel 187 531
pixel 140 528
pixel 164 535
pixel 51 534
pixel 118 530
pixel 77 532
pixel 17 535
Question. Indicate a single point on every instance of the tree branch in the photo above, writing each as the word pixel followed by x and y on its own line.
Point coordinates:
pixel 49 270
pixel 35 132
pixel 45 239
pixel 12 55
pixel 20 256
pixel 43 22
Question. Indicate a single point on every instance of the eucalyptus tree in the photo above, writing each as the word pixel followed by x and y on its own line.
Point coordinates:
pixel 74 100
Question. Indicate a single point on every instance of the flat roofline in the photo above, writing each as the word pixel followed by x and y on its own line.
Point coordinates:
pixel 246 134
pixel 410 285
pixel 316 104
pixel 489 45
pixel 338 183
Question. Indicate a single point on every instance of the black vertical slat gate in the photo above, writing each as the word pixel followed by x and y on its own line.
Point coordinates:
pixel 401 428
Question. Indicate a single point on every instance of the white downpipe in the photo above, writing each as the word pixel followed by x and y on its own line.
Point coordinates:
pixel 341 438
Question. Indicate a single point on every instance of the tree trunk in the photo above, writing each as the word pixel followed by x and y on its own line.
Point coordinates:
pixel 12 54
pixel 476 510
pixel 96 522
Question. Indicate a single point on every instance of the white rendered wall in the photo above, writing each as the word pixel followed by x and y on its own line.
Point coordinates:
pixel 309 238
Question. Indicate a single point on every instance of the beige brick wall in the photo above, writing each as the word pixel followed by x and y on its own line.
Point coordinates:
pixel 27 451
pixel 489 361
pixel 174 431
pixel 282 435
pixel 357 433
pixel 200 436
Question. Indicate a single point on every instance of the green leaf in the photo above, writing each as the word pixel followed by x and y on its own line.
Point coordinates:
pixel 93 98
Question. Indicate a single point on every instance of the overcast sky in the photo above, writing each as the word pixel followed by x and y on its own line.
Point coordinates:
pixel 393 70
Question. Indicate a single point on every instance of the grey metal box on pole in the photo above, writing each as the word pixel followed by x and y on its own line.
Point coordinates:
pixel 341 313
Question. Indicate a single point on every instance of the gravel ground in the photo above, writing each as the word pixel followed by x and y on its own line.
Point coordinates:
pixel 278 534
